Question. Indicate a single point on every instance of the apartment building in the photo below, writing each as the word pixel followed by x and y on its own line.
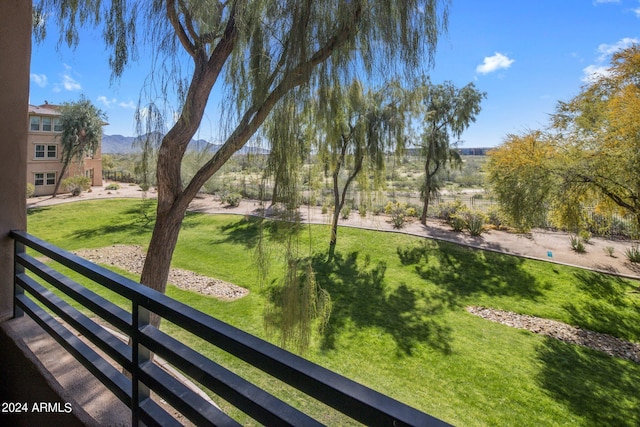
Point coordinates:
pixel 44 152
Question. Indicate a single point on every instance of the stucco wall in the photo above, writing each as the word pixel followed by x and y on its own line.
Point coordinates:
pixel 15 48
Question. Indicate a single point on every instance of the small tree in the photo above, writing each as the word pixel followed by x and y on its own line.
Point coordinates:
pixel 446 111
pixel 81 133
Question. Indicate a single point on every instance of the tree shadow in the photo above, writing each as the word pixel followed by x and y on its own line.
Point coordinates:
pixel 461 272
pixel 605 391
pixel 604 311
pixel 246 230
pixel 37 210
pixel 360 295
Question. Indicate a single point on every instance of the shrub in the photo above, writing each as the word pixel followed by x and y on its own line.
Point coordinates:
pixel 112 187
pixel 362 210
pixel 76 184
pixel 495 217
pixel 474 222
pixel 577 244
pixel 232 199
pixel 325 209
pixel 457 222
pixel 585 235
pixel 398 212
pixel 447 211
pixel 609 250
pixel 345 213
pixel 31 190
pixel 633 253
pixel 144 186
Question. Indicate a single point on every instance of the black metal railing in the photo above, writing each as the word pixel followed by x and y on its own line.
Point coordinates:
pixel 352 399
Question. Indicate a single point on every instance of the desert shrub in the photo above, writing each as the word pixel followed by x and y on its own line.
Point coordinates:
pixel 577 244
pixel 76 184
pixel 495 217
pixel 585 235
pixel 633 253
pixel 112 187
pixel 457 222
pixel 398 212
pixel 609 250
pixel 362 210
pixel 345 212
pixel 325 209
pixel 474 222
pixel 31 190
pixel 232 199
pixel 447 211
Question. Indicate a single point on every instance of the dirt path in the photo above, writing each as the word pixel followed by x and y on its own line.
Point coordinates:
pixel 539 244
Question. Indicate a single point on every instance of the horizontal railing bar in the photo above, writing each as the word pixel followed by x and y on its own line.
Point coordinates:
pixel 95 333
pixel 152 415
pixel 100 368
pixel 353 399
pixel 188 402
pixel 252 400
pixel 118 317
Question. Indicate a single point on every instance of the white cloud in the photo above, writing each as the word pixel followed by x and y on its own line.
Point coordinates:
pixel 607 50
pixel 106 101
pixel 636 11
pixel 67 82
pixel 39 79
pixel 494 63
pixel 600 69
pixel 129 104
pixel 605 1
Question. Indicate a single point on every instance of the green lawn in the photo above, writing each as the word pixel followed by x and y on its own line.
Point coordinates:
pixel 399 323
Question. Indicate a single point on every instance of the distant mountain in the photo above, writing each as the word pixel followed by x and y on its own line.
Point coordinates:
pixel 118 144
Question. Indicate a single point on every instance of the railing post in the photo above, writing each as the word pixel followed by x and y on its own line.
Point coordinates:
pixel 17 269
pixel 140 355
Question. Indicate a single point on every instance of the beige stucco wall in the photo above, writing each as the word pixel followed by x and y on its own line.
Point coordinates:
pixel 15 48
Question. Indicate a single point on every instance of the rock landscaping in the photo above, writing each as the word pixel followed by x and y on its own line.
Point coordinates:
pixel 131 258
pixel 601 342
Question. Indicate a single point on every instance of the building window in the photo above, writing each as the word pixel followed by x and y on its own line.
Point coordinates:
pixel 52 151
pixel 51 178
pixel 34 123
pixel 57 125
pixel 40 178
pixel 48 151
pixel 46 124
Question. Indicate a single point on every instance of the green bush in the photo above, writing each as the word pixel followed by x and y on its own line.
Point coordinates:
pixel 457 222
pixel 474 222
pixel 609 250
pixel 577 244
pixel 398 213
pixel 345 213
pixel 76 184
pixel 232 199
pixel 633 253
pixel 31 190
pixel 447 211
pixel 112 187
pixel 495 217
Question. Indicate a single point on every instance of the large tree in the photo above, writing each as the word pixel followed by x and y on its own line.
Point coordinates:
pixel 81 133
pixel 447 111
pixel 265 49
pixel 588 157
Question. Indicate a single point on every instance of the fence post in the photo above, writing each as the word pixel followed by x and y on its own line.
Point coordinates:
pixel 140 355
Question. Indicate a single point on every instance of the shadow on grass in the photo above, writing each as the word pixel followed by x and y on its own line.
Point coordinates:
pixel 360 296
pixel 603 390
pixel 246 230
pixel 463 272
pixel 607 308
pixel 37 210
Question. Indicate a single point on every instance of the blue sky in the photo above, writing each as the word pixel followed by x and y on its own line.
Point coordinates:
pixel 526 54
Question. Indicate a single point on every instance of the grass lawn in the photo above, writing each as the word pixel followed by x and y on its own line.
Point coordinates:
pixel 399 323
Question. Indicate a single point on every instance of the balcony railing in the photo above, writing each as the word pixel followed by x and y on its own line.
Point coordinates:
pixel 352 399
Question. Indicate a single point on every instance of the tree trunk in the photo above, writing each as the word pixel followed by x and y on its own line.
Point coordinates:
pixel 427 189
pixel 65 165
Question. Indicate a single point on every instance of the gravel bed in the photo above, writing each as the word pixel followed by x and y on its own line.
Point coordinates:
pixel 131 258
pixel 602 342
